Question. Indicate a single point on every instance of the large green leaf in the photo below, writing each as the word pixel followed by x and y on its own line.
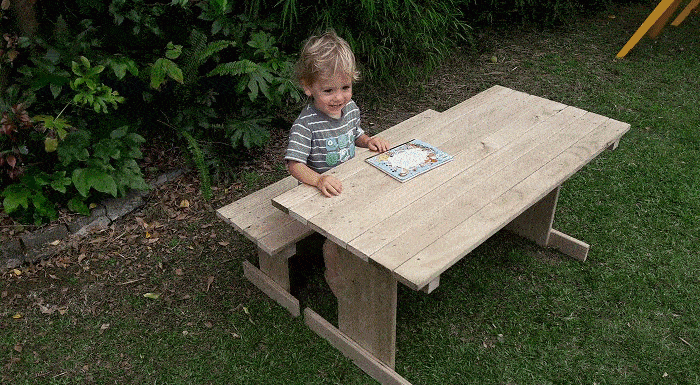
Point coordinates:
pixel 165 67
pixel 44 208
pixel 86 178
pixel 60 181
pixel 15 195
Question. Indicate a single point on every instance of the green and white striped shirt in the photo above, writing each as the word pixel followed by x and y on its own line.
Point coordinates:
pixel 322 142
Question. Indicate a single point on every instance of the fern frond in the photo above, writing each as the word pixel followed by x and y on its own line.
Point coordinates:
pixel 199 162
pixel 212 48
pixel 200 51
pixel 240 67
pixel 198 41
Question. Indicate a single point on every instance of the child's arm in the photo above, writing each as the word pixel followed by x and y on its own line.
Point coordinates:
pixel 328 185
pixel 374 143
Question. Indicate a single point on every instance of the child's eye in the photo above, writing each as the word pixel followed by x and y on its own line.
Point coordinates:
pixel 345 88
pixel 328 91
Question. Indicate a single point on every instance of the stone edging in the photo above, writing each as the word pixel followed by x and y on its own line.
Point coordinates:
pixel 35 246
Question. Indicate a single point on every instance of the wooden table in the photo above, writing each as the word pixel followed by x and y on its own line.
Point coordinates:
pixel 511 152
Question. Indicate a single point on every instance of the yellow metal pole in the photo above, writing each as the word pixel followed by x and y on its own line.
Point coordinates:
pixel 685 13
pixel 655 15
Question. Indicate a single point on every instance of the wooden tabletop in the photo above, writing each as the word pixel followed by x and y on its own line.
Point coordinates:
pixel 510 150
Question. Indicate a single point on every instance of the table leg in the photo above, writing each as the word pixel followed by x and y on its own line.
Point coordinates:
pixel 367 306
pixel 535 224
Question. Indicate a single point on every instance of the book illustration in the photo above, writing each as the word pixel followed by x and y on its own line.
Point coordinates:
pixel 409 159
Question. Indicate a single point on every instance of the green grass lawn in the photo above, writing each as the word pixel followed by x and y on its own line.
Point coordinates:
pixel 509 313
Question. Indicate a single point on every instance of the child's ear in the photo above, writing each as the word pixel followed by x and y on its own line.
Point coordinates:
pixel 306 87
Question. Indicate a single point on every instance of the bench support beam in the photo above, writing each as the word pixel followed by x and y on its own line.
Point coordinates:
pixel 361 357
pixel 536 222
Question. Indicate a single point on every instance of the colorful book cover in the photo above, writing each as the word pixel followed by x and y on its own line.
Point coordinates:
pixel 409 160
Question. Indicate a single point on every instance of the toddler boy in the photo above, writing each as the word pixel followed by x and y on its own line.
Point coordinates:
pixel 327 130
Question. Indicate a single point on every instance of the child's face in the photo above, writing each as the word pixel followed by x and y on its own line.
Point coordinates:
pixel 330 94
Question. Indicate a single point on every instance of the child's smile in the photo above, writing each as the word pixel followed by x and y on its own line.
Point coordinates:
pixel 331 94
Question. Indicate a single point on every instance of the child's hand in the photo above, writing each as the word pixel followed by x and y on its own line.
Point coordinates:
pixel 329 185
pixel 378 144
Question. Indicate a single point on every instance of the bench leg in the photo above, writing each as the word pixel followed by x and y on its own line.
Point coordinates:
pixel 273 278
pixel 277 266
pixel 536 224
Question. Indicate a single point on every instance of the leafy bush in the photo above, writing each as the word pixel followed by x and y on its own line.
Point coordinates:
pixel 538 12
pixel 46 162
pixel 17 134
pixel 44 166
pixel 218 84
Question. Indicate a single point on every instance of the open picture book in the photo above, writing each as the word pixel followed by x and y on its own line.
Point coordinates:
pixel 410 159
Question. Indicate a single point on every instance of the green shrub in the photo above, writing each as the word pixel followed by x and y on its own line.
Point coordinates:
pixel 214 75
pixel 393 39
pixel 210 71
pixel 47 165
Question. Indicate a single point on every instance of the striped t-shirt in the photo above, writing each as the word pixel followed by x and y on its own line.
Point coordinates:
pixel 322 142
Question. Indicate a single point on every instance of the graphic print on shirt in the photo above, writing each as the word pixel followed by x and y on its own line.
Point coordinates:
pixel 339 149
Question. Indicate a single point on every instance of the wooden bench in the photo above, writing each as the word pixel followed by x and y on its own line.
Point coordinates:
pixel 275 235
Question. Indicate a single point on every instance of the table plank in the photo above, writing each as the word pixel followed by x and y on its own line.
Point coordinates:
pixel 476 167
pixel 438 256
pixel 468 148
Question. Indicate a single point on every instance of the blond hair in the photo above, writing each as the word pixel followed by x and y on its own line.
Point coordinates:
pixel 324 56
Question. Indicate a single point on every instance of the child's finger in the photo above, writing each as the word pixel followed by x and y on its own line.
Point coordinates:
pixel 331 191
pixel 337 186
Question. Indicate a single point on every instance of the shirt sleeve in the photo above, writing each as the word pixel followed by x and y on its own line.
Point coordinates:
pixel 299 146
pixel 357 130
